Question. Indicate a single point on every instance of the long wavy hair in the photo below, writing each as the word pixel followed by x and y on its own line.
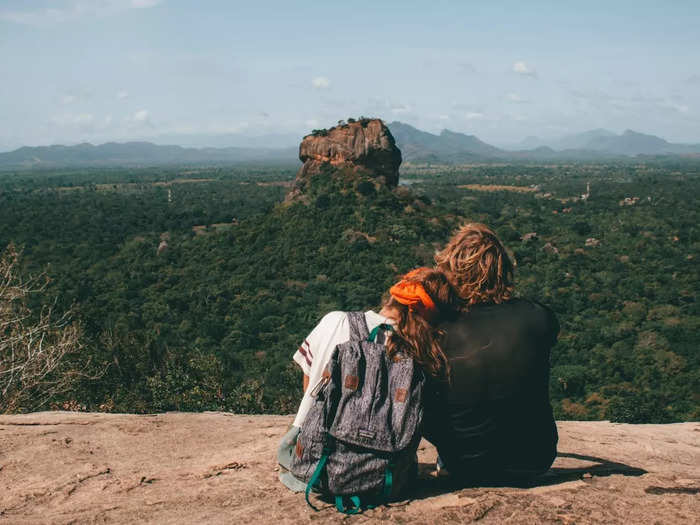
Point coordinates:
pixel 478 265
pixel 415 331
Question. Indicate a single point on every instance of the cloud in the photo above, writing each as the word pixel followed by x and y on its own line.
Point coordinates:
pixel 65 10
pixel 320 83
pixel 121 95
pixel 474 115
pixel 680 108
pixel 140 119
pixel 141 115
pixel 514 97
pixel 521 68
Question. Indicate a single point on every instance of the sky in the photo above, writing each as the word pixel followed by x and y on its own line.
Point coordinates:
pixel 101 70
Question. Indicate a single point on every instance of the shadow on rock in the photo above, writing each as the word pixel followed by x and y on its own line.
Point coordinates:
pixel 428 485
pixel 601 467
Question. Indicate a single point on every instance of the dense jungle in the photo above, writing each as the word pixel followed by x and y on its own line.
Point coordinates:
pixel 190 288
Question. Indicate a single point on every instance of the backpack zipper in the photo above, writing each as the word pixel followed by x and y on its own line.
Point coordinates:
pixel 374 394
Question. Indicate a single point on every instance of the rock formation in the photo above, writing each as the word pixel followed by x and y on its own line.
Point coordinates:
pixel 364 147
pixel 69 467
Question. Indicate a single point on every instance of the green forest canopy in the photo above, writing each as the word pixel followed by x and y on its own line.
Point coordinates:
pixel 195 286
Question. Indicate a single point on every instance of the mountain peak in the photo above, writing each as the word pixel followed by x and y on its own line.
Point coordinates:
pixel 449 133
pixel 448 146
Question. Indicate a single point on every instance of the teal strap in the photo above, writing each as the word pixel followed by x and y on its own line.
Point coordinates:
pixel 351 510
pixel 375 331
pixel 357 508
pixel 316 475
pixel 388 482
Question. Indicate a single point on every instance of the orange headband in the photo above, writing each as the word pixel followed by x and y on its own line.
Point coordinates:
pixel 412 293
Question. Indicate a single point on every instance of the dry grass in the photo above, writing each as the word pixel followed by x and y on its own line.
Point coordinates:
pixel 282 183
pixel 497 187
pixel 182 181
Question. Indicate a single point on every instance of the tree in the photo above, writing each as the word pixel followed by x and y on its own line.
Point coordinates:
pixel 33 347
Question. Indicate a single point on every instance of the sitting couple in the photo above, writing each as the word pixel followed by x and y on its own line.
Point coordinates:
pixel 484 355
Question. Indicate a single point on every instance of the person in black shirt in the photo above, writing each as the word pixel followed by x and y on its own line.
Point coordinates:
pixel 492 420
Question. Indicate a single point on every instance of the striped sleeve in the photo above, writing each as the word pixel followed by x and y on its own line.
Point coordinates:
pixel 304 357
pixel 304 351
pixel 314 352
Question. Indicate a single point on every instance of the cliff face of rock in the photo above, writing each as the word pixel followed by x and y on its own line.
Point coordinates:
pixel 67 467
pixel 365 147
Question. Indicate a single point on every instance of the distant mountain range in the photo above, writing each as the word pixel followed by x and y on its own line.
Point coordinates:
pixel 140 153
pixel 416 146
pixel 628 143
pixel 448 146
pixel 229 140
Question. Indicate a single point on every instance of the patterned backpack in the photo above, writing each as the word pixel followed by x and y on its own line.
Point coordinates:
pixel 360 437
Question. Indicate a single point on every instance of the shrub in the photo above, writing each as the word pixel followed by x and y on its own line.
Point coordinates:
pixel 33 346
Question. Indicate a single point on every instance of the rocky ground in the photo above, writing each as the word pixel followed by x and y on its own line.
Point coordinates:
pixel 63 467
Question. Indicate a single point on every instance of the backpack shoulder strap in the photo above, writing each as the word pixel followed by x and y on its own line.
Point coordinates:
pixel 358 326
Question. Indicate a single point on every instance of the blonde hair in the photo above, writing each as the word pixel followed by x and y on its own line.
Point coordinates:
pixel 478 265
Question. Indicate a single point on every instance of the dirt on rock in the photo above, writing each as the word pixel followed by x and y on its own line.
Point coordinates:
pixel 67 467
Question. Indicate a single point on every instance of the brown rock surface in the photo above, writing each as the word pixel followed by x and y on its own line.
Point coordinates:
pixel 365 146
pixel 63 467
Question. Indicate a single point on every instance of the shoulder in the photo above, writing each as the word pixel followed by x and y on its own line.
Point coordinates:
pixel 522 312
pixel 332 319
pixel 330 324
pixel 540 309
pixel 373 319
pixel 542 317
pixel 524 306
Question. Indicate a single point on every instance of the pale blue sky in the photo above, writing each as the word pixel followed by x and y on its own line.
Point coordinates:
pixel 74 70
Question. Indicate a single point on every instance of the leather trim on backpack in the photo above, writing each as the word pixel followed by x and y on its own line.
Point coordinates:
pixel 400 395
pixel 352 382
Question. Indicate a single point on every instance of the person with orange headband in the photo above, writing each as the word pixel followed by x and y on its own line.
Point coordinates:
pixel 412 307
pixel 417 303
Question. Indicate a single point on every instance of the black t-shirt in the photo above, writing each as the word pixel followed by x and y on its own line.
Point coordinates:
pixel 494 420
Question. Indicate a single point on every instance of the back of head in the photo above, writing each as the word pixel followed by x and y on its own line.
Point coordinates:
pixel 420 300
pixel 478 265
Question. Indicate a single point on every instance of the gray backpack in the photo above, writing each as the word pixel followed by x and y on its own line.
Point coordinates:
pixel 360 437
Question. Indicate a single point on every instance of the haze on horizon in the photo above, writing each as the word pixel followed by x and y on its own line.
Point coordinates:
pixel 171 70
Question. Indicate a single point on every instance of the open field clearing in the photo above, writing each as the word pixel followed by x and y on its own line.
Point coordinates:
pixel 497 187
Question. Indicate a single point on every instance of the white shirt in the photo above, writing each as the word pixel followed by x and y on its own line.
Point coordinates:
pixel 315 352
